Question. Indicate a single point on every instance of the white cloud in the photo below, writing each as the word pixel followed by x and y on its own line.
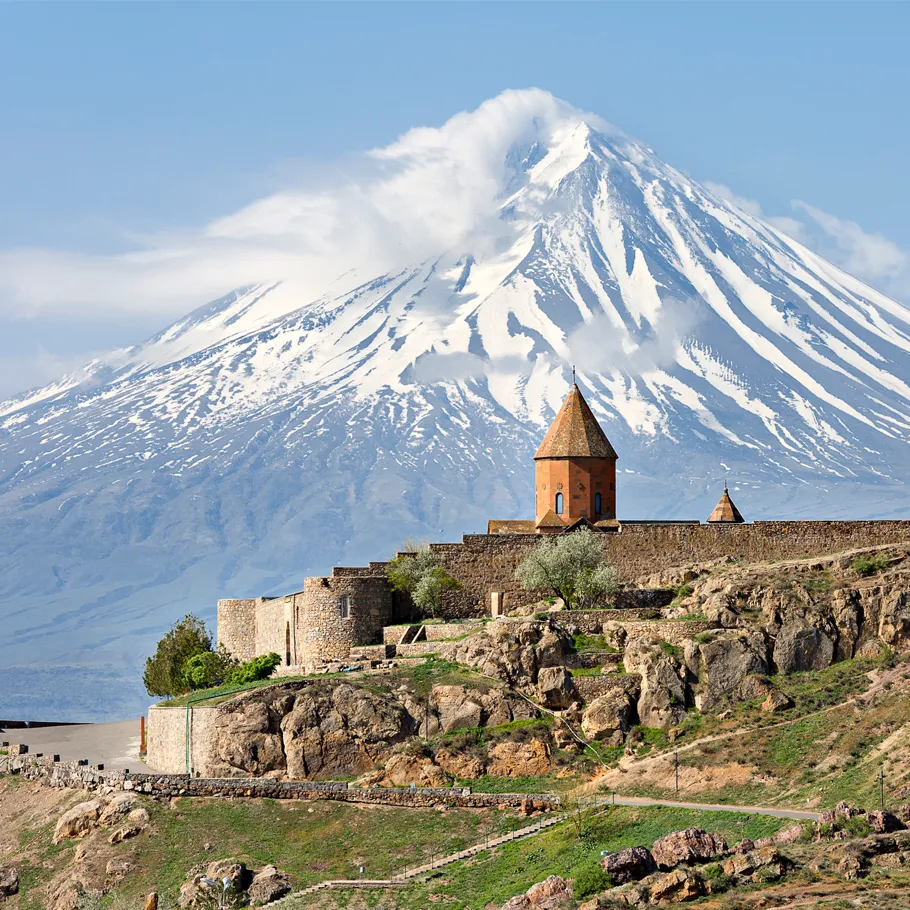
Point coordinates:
pixel 869 256
pixel 424 194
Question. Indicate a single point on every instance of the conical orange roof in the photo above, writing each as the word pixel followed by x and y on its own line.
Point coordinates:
pixel 575 433
pixel 725 511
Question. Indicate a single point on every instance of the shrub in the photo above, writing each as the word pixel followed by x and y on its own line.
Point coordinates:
pixel 208 668
pixel 683 591
pixel 870 563
pixel 164 670
pixel 261 667
pixel 720 881
pixel 590 879
pixel 572 567
pixel 419 574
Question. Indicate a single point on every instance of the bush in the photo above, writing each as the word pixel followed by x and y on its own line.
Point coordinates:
pixel 720 881
pixel 572 567
pixel 590 879
pixel 261 667
pixel 870 563
pixel 208 668
pixel 164 671
pixel 419 574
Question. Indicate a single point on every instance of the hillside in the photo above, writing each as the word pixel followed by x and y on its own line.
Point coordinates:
pixel 270 435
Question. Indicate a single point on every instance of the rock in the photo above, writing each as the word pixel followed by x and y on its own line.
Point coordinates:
pixel 801 646
pixel 67 895
pixel 268 885
pixel 460 765
pixel 629 865
pixel 519 759
pixel 240 877
pixel 751 687
pixel 689 846
pixel 125 833
pixel 662 700
pixel 404 769
pixel 725 660
pixel 119 805
pixel 78 821
pixel 119 867
pixel 550 893
pixel 776 702
pixel 789 835
pixel 676 886
pixel 744 846
pixel 851 866
pixel 842 810
pixel 457 708
pixel 138 816
pixel 248 739
pixel 151 902
pixel 769 860
pixel 9 882
pixel 520 902
pixel 556 688
pixel 883 822
pixel 609 717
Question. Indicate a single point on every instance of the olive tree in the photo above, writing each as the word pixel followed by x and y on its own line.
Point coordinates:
pixel 419 574
pixel 571 566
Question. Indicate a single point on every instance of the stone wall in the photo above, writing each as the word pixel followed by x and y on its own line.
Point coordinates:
pixel 167 738
pixel 672 631
pixel 592 622
pixel 237 627
pixel 485 563
pixel 85 777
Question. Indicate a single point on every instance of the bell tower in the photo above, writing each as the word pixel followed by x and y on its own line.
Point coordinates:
pixel 575 468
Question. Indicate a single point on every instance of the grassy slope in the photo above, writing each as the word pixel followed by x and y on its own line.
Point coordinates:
pixel 495 876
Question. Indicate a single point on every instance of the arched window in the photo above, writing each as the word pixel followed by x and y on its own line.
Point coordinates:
pixel 559 503
pixel 345 603
pixel 597 504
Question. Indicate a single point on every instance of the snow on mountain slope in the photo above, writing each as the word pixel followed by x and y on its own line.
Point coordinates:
pixel 268 436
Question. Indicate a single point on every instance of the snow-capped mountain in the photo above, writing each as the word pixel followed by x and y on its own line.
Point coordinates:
pixel 268 436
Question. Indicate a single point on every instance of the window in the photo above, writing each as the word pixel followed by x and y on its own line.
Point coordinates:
pixel 345 603
pixel 559 503
pixel 287 644
pixel 597 504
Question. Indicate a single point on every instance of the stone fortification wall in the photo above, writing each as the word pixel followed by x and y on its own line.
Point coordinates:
pixel 592 622
pixel 672 631
pixel 237 627
pixel 167 738
pixel 81 777
pixel 485 563
pixel 326 633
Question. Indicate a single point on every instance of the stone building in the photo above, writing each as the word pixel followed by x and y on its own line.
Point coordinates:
pixel 575 469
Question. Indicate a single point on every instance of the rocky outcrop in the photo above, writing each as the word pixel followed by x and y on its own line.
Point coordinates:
pixel 721 661
pixel 404 769
pixel 677 886
pixel 692 845
pixel 458 708
pixel 78 821
pixel 519 759
pixel 550 894
pixel 513 652
pixel 269 884
pixel 662 699
pixel 9 882
pixel 629 865
pixel 609 717
pixel 758 864
pixel 803 645
pixel 235 875
pixel 555 688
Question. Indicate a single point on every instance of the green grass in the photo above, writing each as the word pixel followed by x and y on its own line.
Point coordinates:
pixel 870 564
pixel 584 642
pixel 497 875
pixel 311 841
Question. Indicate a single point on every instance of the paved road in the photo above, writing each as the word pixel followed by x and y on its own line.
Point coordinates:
pixel 796 814
pixel 114 745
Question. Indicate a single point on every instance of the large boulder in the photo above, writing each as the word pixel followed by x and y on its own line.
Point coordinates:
pixel 347 731
pixel 759 864
pixel 248 739
pixel 461 765
pixel 802 646
pixel 883 822
pixel 609 717
pixel 78 821
pixel 458 708
pixel 9 882
pixel 556 688
pixel 692 845
pixel 118 806
pixel 662 700
pixel 549 894
pixel 629 865
pixel 405 769
pixel 677 886
pixel 519 759
pixel 269 884
pixel 724 660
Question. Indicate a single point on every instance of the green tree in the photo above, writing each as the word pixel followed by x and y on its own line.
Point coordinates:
pixel 572 566
pixel 164 671
pixel 419 574
pixel 261 667
pixel 208 668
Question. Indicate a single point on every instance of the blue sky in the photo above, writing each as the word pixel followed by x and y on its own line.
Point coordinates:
pixel 122 122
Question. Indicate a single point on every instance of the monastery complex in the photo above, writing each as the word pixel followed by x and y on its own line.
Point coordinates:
pixel 346 615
